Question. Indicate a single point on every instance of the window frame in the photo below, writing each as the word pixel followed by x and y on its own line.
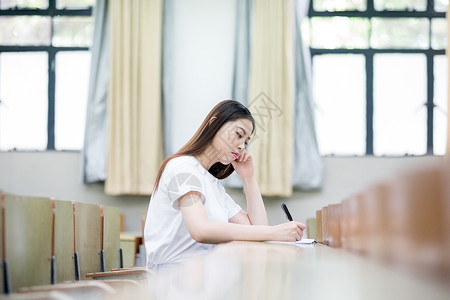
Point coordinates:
pixel 51 50
pixel 369 54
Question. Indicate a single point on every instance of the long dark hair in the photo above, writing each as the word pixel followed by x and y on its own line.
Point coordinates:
pixel 225 111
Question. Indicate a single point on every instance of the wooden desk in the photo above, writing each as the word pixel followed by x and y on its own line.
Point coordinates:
pixel 250 270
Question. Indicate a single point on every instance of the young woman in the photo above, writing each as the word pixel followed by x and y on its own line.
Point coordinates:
pixel 190 210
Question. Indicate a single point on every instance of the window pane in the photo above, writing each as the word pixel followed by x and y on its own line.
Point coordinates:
pixel 72 81
pixel 39 4
pixel 73 31
pixel 441 5
pixel 339 93
pixel 74 4
pixel 25 30
pixel 400 92
pixel 340 32
pixel 439 33
pixel 24 108
pixel 440 100
pixel 400 33
pixel 333 5
pixel 419 5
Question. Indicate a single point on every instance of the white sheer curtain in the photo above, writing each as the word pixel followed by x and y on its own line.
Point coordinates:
pixel 308 165
pixel 241 65
pixel 205 60
pixel 95 141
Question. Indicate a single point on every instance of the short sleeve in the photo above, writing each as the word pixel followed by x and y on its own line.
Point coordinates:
pixel 183 179
pixel 231 206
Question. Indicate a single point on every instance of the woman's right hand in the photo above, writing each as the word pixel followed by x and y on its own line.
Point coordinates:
pixel 289 232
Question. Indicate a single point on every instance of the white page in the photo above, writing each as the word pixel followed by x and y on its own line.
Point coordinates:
pixel 301 242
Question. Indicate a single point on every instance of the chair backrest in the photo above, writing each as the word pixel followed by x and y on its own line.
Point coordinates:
pixel 64 240
pixel 28 231
pixel 311 227
pixel 111 237
pixel 319 231
pixel 2 236
pixel 87 237
pixel 26 227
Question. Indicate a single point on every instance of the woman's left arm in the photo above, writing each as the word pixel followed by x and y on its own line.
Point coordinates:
pixel 256 212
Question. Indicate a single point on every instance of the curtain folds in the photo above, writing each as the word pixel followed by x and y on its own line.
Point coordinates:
pixel 134 99
pixel 95 141
pixel 271 95
pixel 168 70
pixel 242 51
pixel 241 66
pixel 280 97
pixel 308 170
pixel 271 74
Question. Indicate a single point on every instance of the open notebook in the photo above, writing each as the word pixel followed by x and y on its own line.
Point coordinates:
pixel 301 242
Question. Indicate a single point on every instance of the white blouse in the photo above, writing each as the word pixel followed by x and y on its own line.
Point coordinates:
pixel 167 239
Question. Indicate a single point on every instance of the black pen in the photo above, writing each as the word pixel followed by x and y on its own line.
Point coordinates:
pixel 286 211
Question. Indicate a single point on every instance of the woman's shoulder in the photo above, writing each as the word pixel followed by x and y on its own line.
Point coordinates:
pixel 182 162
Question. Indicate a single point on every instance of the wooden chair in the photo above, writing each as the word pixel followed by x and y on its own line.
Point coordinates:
pixel 345 227
pixel 319 236
pixel 64 241
pixel 334 225
pixel 355 227
pixel 377 200
pixel 417 216
pixel 26 240
pixel 311 227
pixel 4 278
pixel 109 240
pixel 87 237
pixel 325 225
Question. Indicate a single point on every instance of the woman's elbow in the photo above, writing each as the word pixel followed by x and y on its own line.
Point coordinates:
pixel 199 234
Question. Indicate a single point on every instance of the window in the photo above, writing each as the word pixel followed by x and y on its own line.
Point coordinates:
pixel 44 73
pixel 380 76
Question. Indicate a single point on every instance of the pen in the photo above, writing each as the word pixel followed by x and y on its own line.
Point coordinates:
pixel 286 211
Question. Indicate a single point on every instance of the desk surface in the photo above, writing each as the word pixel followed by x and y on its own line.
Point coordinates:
pixel 250 270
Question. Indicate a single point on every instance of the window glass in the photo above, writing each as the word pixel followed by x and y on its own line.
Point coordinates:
pixel 439 34
pixel 70 98
pixel 440 100
pixel 333 5
pixel 400 94
pixel 441 5
pixel 73 31
pixel 24 96
pixel 339 32
pixel 30 4
pixel 74 4
pixel 339 93
pixel 418 5
pixel 398 33
pixel 25 30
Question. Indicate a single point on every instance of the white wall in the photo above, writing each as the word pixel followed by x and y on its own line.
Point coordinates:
pixel 344 176
pixel 58 174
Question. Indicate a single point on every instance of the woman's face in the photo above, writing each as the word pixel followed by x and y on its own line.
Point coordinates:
pixel 231 139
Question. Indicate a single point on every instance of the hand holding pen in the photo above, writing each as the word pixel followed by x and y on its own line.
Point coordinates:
pixel 295 229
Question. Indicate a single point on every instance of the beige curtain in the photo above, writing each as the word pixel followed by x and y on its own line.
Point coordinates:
pixel 134 101
pixel 271 94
